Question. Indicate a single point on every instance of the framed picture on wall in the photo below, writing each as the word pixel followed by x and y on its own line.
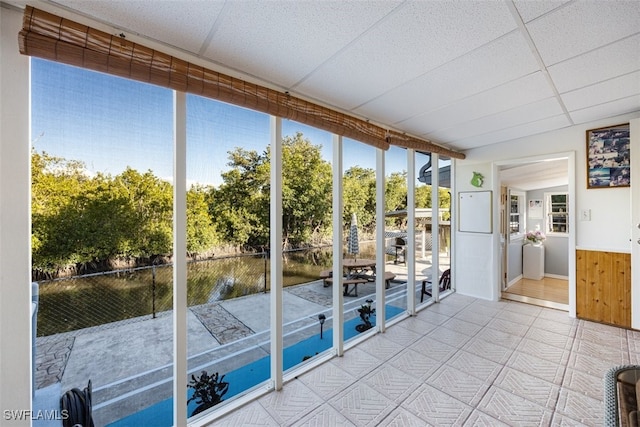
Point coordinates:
pixel 535 209
pixel 608 157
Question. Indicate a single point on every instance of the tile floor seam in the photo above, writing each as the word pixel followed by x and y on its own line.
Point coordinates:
pixel 564 373
pixel 487 377
pixel 397 405
pixel 515 349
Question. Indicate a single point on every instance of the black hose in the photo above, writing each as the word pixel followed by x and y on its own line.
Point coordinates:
pixel 77 407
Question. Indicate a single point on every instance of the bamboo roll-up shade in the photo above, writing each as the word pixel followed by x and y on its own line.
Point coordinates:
pixel 51 37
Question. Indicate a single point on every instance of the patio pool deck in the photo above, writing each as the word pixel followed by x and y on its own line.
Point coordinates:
pixel 130 362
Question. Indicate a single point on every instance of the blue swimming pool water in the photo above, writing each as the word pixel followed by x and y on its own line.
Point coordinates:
pixel 248 376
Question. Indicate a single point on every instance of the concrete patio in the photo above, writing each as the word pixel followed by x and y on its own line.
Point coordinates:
pixel 129 362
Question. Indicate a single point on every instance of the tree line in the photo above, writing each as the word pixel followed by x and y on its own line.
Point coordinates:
pixel 88 222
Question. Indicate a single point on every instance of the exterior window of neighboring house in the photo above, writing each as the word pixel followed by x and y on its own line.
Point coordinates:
pixel 557 212
pixel 516 214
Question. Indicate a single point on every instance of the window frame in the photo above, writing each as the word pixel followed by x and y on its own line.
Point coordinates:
pixel 549 213
pixel 521 214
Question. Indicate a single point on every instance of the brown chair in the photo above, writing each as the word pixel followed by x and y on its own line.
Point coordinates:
pixel 443 284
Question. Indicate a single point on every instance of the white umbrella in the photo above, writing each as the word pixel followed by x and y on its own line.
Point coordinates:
pixel 354 245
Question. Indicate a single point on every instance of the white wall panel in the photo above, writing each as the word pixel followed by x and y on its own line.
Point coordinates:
pixel 15 223
pixel 610 226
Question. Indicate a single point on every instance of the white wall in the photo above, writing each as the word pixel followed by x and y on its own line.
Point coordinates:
pixel 556 247
pixel 15 222
pixel 476 264
pixel 610 226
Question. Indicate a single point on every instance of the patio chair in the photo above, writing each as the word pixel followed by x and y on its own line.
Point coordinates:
pixel 443 284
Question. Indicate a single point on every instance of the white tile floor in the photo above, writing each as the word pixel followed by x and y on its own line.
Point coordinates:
pixel 461 362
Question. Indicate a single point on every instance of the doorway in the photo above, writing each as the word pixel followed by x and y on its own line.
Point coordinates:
pixel 535 198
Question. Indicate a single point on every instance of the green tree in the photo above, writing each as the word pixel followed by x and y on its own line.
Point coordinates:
pixel 241 204
pixel 359 197
pixel 423 196
pixel 201 232
pixel 58 185
pixel 306 190
pixel 149 211
pixel 396 196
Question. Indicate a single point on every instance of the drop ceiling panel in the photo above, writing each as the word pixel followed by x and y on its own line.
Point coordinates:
pixel 513 133
pixel 500 61
pixel 523 91
pixel 582 26
pixel 529 10
pixel 520 115
pixel 605 63
pixel 416 38
pixel 458 71
pixel 536 175
pixel 609 109
pixel 156 20
pixel 600 93
pixel 283 41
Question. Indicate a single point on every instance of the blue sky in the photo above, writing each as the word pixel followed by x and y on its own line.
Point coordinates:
pixel 110 123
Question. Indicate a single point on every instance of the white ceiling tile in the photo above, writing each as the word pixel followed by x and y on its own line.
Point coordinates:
pixel 496 63
pixel 529 10
pixel 583 26
pixel 456 70
pixel 600 93
pixel 156 19
pixel 515 132
pixel 283 41
pixel 416 38
pixel 521 115
pixel 609 109
pixel 605 63
pixel 523 91
pixel 534 175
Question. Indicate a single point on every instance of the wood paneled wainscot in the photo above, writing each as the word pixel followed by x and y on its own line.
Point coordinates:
pixel 603 281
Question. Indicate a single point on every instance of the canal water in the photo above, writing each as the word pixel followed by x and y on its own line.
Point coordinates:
pixel 84 301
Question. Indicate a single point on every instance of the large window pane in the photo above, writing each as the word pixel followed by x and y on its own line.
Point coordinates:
pixel 424 235
pixel 359 198
pixel 397 234
pixel 444 224
pixel 227 241
pixel 307 230
pixel 102 242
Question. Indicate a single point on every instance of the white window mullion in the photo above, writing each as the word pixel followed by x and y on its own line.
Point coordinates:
pixel 180 259
pixel 380 247
pixel 338 207
pixel 435 226
pixel 410 254
pixel 276 253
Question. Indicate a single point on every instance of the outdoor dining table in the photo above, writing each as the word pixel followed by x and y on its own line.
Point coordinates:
pixel 357 271
pixel 358 267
